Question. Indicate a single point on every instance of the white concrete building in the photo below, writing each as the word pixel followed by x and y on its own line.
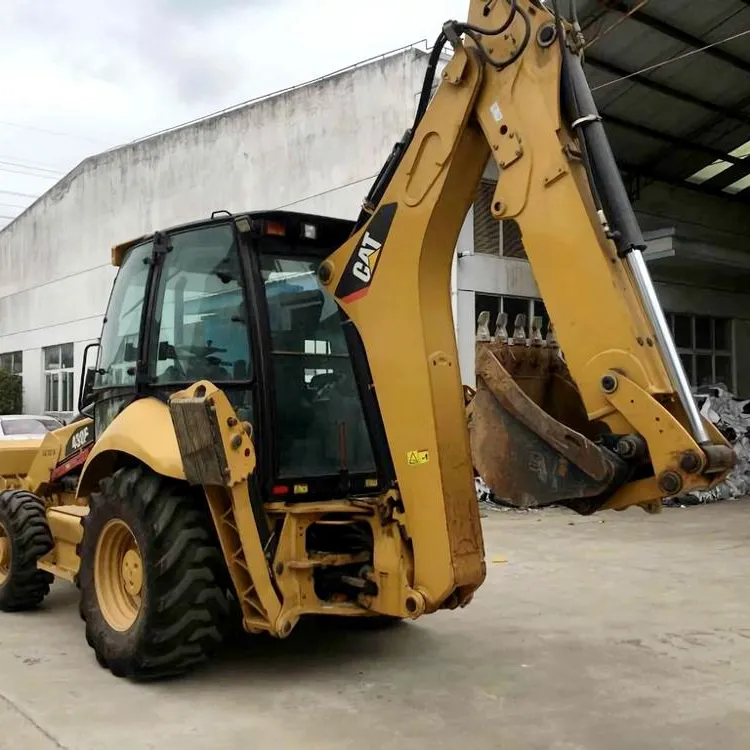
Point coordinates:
pixel 317 148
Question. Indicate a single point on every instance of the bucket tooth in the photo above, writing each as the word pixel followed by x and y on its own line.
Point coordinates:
pixel 483 326
pixel 519 330
pixel 551 339
pixel 536 331
pixel 501 328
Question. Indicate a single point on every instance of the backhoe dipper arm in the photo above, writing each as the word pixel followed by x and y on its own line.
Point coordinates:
pixel 513 91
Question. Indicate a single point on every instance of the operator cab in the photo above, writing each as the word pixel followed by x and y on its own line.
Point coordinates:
pixel 236 300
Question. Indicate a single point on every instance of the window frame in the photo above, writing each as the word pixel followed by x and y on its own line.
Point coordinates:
pixel 129 386
pixel 153 309
pixel 323 487
pixel 61 372
pixel 15 357
pixel 693 351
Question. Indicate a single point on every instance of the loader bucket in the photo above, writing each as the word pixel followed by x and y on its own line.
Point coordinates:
pixel 531 440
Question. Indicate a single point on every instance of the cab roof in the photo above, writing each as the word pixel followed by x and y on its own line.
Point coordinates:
pixel 331 230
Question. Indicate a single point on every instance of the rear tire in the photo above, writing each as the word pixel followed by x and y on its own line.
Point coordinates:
pixel 149 577
pixel 24 538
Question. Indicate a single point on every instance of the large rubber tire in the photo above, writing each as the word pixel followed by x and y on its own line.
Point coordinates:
pixel 182 603
pixel 24 521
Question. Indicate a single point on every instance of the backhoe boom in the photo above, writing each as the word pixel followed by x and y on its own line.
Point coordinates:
pixel 507 95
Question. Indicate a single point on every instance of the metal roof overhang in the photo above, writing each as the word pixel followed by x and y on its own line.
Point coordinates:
pixel 671 79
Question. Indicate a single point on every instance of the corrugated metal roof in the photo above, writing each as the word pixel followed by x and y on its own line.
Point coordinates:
pixel 672 82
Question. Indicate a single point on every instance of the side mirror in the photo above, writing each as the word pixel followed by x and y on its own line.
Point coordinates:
pixel 88 374
pixel 86 396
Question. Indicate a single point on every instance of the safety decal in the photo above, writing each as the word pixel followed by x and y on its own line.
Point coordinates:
pixel 360 270
pixel 416 458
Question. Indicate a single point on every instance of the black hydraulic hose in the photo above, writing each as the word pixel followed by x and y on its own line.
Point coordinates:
pixel 571 106
pixel 494 32
pixel 386 173
pixel 606 175
pixel 380 185
pixel 429 79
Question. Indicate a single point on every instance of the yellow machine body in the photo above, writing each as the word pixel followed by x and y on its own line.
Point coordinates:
pixel 169 504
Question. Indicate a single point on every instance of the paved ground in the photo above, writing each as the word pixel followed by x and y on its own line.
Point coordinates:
pixel 614 632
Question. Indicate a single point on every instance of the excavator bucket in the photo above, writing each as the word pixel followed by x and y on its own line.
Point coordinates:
pixel 531 441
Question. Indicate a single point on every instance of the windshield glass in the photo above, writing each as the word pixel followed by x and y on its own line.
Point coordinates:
pixel 320 423
pixel 118 350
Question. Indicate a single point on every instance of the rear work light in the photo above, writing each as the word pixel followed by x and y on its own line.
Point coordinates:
pixel 309 231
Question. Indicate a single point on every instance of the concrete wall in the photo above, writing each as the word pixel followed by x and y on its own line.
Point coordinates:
pixel 315 148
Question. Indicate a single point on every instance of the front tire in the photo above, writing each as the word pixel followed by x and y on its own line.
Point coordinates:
pixel 149 577
pixel 24 538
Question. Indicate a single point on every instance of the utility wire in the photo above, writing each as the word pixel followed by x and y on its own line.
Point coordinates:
pixel 603 32
pixel 50 132
pixel 26 165
pixel 670 60
pixel 19 195
pixel 26 173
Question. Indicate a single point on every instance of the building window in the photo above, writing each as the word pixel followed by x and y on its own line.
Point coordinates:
pixel 317 347
pixel 493 237
pixel 12 362
pixel 531 307
pixel 58 378
pixel 705 347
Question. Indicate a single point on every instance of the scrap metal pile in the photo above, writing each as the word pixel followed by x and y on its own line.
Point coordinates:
pixel 732 417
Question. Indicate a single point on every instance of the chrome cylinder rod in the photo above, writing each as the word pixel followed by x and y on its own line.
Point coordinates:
pixel 611 195
pixel 673 363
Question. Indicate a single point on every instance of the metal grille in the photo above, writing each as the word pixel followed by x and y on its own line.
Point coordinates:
pixel 512 240
pixel 487 230
pixel 486 227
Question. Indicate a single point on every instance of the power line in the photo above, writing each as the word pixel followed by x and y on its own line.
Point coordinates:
pixel 670 60
pixel 50 132
pixel 20 195
pixel 26 165
pixel 15 165
pixel 26 173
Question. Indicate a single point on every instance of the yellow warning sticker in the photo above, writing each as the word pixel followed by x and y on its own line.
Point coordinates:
pixel 415 458
pixel 371 482
pixel 300 489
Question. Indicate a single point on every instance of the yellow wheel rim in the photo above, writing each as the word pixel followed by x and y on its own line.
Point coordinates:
pixel 5 554
pixel 118 575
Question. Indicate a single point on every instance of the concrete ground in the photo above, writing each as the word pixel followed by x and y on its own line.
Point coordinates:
pixel 612 632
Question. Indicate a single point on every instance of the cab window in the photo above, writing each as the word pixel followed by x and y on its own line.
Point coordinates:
pixel 118 350
pixel 201 318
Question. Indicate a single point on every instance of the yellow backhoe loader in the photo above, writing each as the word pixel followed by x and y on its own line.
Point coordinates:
pixel 37 473
pixel 280 426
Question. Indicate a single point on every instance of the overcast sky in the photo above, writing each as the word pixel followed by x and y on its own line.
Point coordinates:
pixel 81 76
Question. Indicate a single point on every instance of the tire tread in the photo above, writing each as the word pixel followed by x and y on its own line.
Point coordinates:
pixel 25 518
pixel 187 605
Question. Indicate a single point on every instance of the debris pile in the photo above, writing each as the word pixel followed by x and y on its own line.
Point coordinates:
pixel 732 418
